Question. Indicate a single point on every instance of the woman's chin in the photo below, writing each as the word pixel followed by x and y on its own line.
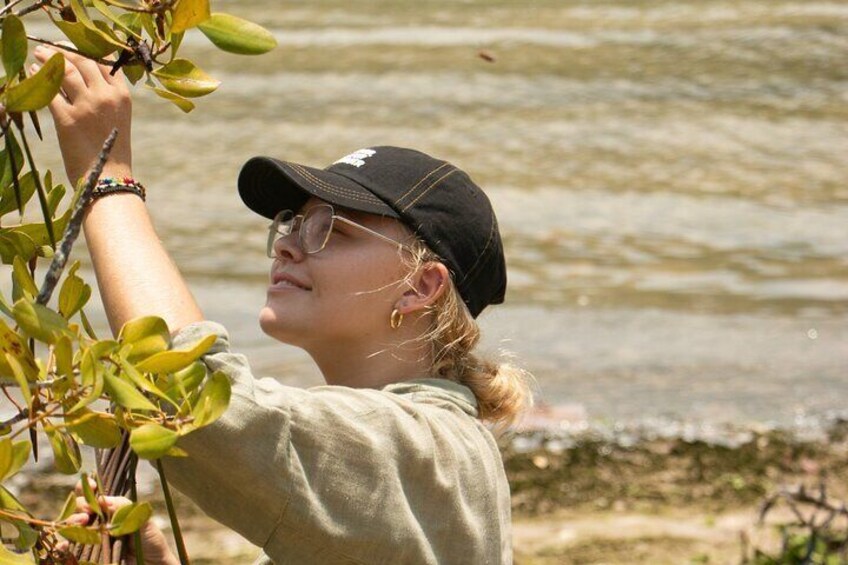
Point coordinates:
pixel 276 326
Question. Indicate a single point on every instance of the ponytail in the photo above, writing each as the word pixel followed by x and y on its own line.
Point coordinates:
pixel 502 390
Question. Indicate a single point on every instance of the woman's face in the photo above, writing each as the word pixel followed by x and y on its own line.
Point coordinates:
pixel 344 293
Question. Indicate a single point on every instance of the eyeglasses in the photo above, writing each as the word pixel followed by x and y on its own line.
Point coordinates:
pixel 313 229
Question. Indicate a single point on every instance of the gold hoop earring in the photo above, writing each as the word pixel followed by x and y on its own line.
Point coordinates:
pixel 396 319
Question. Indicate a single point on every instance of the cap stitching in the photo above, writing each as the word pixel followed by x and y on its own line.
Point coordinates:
pixel 426 190
pixel 332 188
pixel 477 263
pixel 397 202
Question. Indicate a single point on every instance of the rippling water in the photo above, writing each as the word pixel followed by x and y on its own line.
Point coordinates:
pixel 670 178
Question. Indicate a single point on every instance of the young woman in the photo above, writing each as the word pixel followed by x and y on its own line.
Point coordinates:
pixel 381 262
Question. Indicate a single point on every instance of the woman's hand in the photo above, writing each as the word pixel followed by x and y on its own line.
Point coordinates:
pixel 153 542
pixel 90 104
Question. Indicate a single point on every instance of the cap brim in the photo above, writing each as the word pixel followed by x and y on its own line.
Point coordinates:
pixel 269 185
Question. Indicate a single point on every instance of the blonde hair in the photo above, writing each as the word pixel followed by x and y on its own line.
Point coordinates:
pixel 502 390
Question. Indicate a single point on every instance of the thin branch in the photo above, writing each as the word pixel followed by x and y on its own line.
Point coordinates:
pixel 34 385
pixel 37 6
pixel 60 258
pixel 138 9
pixel 9 6
pixel 68 48
pixel 20 416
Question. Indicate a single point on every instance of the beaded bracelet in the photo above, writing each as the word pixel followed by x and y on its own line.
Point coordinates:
pixel 109 185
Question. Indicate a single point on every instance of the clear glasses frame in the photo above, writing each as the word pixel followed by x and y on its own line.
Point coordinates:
pixel 313 229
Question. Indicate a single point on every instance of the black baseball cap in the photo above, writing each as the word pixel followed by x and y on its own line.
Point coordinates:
pixel 436 200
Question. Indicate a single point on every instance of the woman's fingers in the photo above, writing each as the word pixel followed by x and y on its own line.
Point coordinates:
pixel 73 83
pixel 78 519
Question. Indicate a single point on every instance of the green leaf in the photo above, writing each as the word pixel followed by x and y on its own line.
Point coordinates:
pixel 81 13
pixel 101 7
pixel 183 77
pixel 14 365
pixel 63 355
pixel 9 502
pixel 22 279
pixel 125 395
pixel 133 20
pixel 74 293
pixel 128 519
pixel 13 345
pixel 14 244
pixel 236 35
pixel 181 383
pixel 27 536
pixel 14 44
pixel 66 453
pixel 87 325
pixel 8 200
pixel 183 104
pixel 79 534
pixel 98 42
pixel 213 401
pixel 176 41
pixel 69 507
pixel 189 13
pixel 147 335
pixel 40 322
pixel 7 557
pixel 88 494
pixel 55 197
pixel 13 456
pixel 91 373
pixel 170 361
pixel 94 429
pixel 152 441
pixel 37 91
pixel 140 381
pixel 133 72
pixel 38 232
pixel 6 168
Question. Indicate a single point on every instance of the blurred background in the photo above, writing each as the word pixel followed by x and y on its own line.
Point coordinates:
pixel 670 179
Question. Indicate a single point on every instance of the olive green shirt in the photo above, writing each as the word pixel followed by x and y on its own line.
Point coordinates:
pixel 405 474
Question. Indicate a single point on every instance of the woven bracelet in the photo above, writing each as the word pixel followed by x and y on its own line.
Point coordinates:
pixel 109 185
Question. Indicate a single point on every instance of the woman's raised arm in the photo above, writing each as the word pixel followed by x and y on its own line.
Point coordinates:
pixel 135 275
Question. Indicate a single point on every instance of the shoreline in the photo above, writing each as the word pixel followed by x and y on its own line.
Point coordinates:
pixel 598 495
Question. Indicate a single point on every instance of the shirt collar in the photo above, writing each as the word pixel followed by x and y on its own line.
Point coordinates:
pixel 440 390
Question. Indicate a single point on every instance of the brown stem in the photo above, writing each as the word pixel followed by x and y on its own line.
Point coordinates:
pixel 22 415
pixel 68 48
pixel 37 6
pixel 9 6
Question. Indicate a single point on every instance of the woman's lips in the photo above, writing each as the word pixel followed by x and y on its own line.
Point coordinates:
pixel 282 281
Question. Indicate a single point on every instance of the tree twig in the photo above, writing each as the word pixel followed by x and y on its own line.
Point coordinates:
pixel 60 258
pixel 68 48
pixel 9 6
pixel 20 416
pixel 37 6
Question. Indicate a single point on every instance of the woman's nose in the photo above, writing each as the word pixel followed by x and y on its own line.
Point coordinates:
pixel 288 248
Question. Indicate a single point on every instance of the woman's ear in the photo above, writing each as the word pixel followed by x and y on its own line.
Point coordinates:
pixel 427 286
